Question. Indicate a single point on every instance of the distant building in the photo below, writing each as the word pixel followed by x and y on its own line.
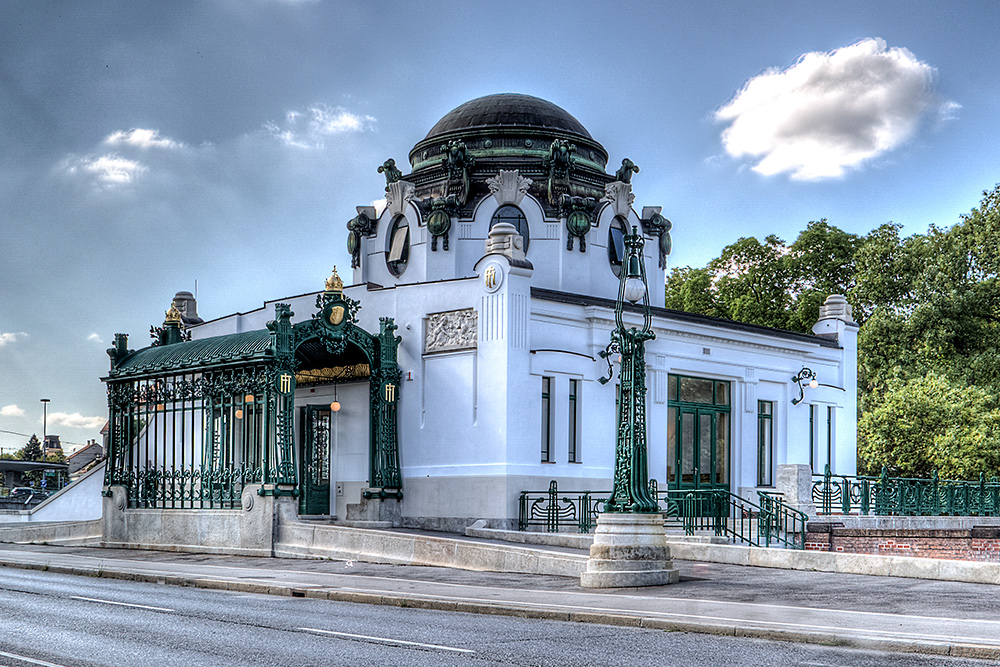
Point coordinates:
pixel 51 446
pixel 82 458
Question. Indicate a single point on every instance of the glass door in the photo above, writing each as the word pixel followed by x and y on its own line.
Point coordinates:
pixel 698 434
pixel 315 457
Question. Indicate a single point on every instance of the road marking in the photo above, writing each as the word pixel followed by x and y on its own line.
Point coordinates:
pixel 386 640
pixel 120 604
pixel 31 660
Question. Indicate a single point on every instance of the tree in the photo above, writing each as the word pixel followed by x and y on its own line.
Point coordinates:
pixel 927 423
pixel 929 344
pixel 32 451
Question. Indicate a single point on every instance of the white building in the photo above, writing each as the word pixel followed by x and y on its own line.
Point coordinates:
pixel 500 336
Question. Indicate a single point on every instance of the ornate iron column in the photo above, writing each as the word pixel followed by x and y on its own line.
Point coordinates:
pixel 631 481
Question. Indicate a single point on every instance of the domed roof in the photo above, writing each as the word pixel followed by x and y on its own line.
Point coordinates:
pixel 509 110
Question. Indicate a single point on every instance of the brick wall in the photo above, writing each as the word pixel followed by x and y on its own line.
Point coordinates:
pixel 980 543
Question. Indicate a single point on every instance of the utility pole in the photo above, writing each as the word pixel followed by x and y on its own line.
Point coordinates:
pixel 45 418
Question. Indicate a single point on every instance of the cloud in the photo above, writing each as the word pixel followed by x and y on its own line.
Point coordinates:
pixel 107 170
pixel 75 420
pixel 830 112
pixel 96 338
pixel 6 338
pixel 11 411
pixel 309 128
pixel 141 138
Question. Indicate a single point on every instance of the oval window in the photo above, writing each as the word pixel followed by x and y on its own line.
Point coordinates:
pixel 397 250
pixel 616 243
pixel 514 216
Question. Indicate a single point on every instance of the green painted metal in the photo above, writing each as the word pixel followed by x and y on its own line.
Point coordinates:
pixel 631 479
pixel 315 438
pixel 771 523
pixel 902 496
pixel 192 423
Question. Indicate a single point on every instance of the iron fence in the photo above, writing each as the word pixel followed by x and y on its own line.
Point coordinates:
pixel 717 511
pixel 904 496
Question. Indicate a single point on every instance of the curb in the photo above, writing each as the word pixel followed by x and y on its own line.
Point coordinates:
pixel 953 649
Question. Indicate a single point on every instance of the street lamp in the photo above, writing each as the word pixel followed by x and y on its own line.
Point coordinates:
pixel 631 481
pixel 630 545
pixel 45 417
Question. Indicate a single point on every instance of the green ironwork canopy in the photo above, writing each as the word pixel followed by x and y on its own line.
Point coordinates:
pixel 193 422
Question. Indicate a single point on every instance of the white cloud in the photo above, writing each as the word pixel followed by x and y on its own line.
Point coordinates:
pixel 11 411
pixel 6 338
pixel 95 338
pixel 75 420
pixel 830 112
pixel 309 128
pixel 141 138
pixel 109 170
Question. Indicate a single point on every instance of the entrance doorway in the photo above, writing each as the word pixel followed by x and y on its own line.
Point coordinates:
pixel 698 434
pixel 315 455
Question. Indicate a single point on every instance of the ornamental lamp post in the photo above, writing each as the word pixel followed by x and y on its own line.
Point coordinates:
pixel 630 545
pixel 631 481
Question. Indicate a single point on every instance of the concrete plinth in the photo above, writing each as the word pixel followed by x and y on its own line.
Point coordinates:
pixel 629 550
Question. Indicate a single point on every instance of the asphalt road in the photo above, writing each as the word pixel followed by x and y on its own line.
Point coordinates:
pixel 53 619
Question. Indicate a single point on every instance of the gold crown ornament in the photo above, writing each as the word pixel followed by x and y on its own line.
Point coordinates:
pixel 334 283
pixel 173 316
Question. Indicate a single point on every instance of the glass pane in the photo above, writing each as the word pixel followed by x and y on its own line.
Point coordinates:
pixel 722 448
pixel 672 388
pixel 616 244
pixel 513 215
pixel 320 464
pixel 705 442
pixel 687 448
pixel 671 446
pixel 398 243
pixel 722 393
pixel 696 390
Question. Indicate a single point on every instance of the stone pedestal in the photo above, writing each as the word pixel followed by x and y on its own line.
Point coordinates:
pixel 795 483
pixel 629 550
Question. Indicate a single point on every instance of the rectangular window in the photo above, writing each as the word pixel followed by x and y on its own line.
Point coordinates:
pixel 546 420
pixel 812 437
pixel 574 416
pixel 765 443
pixel 829 436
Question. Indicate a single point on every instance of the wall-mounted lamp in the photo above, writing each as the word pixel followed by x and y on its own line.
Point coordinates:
pixel 335 406
pixel 809 377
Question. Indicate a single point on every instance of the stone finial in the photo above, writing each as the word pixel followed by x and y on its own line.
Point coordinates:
pixel 836 308
pixel 504 240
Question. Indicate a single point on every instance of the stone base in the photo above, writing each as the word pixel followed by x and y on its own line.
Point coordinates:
pixel 629 550
pixel 374 509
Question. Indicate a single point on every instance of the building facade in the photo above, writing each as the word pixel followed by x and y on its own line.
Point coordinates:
pixel 462 364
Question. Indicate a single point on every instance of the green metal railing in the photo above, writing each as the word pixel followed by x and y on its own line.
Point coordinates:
pixel 771 523
pixel 904 496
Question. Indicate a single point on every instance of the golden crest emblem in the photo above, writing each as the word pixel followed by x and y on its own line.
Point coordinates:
pixel 336 315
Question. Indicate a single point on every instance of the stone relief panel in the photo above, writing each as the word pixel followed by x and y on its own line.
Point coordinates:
pixel 451 331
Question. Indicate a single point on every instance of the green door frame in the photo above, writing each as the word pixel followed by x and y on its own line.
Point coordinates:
pixel 696 453
pixel 316 442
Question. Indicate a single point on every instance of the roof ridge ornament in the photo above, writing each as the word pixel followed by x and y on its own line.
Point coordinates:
pixel 334 283
pixel 173 316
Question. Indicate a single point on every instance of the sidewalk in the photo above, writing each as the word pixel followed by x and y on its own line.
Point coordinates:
pixel 935 617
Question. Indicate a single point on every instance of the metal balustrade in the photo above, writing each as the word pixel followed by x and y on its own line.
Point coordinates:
pixel 724 514
pixel 904 496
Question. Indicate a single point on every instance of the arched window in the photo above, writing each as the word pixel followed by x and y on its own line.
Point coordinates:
pixel 397 249
pixel 616 243
pixel 514 216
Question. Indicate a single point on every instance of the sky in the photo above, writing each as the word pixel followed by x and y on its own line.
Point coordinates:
pixel 148 147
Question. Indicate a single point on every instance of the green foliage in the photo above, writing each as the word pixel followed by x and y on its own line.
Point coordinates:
pixel 32 451
pixel 929 309
pixel 924 424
